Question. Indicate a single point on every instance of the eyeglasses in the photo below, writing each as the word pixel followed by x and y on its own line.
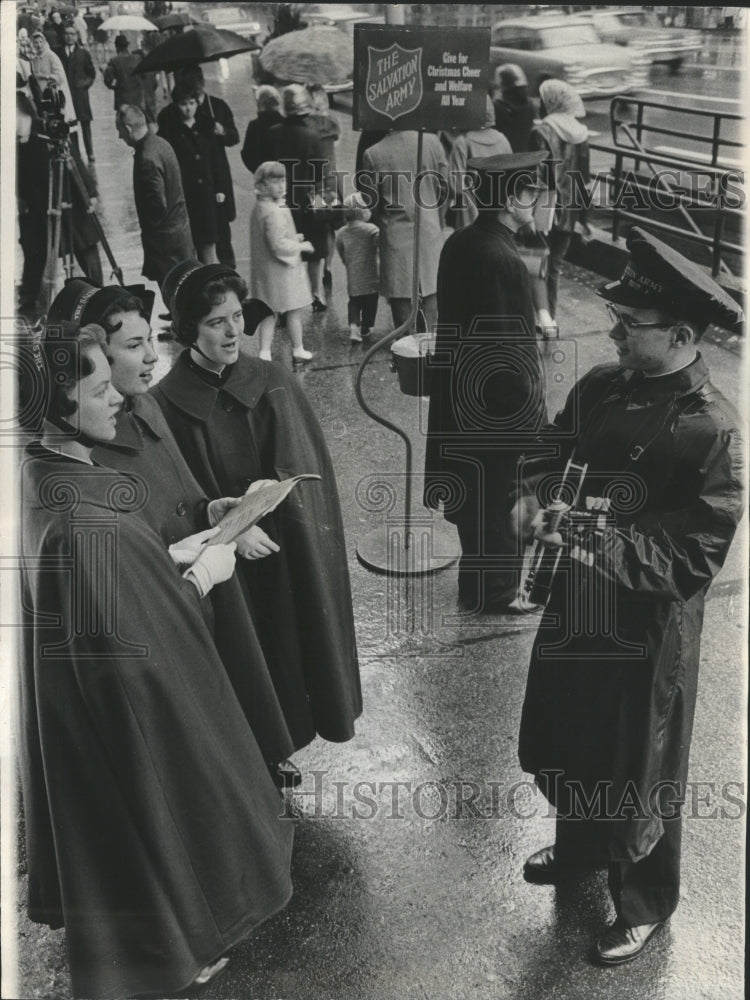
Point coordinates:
pixel 628 322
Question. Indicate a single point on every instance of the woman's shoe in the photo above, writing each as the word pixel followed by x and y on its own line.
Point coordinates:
pixel 301 358
pixel 317 305
pixel 210 972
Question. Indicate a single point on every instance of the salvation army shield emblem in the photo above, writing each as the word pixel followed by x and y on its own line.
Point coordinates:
pixel 394 80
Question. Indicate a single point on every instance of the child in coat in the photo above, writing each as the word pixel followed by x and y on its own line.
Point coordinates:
pixel 357 245
pixel 277 274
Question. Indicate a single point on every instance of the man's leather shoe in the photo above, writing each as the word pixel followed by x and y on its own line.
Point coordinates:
pixel 542 867
pixel 621 944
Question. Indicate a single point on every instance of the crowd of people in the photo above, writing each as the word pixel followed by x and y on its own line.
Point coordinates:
pixel 168 677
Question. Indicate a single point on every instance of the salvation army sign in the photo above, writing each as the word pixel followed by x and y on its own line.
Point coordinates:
pixel 394 80
pixel 412 78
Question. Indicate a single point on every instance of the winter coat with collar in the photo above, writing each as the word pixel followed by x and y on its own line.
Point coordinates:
pixel 255 422
pixel 611 699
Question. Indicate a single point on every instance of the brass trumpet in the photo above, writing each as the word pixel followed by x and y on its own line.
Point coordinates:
pixel 542 560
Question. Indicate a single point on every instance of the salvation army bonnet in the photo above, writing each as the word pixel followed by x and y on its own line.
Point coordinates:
pixel 181 290
pixel 81 301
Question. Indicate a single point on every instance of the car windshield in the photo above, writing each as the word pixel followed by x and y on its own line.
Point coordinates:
pixel 634 19
pixel 568 34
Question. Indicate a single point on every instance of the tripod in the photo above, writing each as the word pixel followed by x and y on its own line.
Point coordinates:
pixel 64 177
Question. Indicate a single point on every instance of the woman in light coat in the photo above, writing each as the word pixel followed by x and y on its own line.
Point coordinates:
pixel 278 276
pixel 393 212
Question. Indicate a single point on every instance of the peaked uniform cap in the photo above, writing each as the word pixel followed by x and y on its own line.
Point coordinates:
pixel 658 277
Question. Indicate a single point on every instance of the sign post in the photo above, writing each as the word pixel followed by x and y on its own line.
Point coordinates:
pixel 413 79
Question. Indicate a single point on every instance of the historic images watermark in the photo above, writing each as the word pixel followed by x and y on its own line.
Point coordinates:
pixel 665 191
pixel 319 797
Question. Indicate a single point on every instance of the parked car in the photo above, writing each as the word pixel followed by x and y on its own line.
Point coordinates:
pixel 237 19
pixel 639 28
pixel 338 15
pixel 567 47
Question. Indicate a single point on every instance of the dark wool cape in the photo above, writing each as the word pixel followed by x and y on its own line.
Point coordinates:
pixel 175 507
pixel 257 423
pixel 612 698
pixel 153 828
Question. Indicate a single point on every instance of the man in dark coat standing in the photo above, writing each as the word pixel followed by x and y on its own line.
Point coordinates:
pixel 159 198
pixel 80 72
pixel 611 693
pixel 487 385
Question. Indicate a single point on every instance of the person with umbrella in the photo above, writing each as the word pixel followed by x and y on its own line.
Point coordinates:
pixel 192 144
pixel 217 120
pixel 120 76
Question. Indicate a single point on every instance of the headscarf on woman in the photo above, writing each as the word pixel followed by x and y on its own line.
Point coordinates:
pixel 563 106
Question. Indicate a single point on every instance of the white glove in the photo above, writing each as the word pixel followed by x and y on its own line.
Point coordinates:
pixel 187 550
pixel 217 509
pixel 255 544
pixel 214 565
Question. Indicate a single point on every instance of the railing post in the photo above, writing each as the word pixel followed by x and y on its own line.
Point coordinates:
pixel 716 140
pixel 718 228
pixel 616 199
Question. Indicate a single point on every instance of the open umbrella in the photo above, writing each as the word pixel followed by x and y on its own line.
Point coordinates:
pixel 312 55
pixel 127 22
pixel 198 45
pixel 177 19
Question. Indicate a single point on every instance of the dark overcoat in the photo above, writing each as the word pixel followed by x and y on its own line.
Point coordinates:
pixel 295 143
pixel 175 507
pixel 219 111
pixel 256 423
pixel 487 382
pixel 212 110
pixel 254 147
pixel 160 204
pixel 193 149
pixel 611 698
pixel 152 824
pixel 80 72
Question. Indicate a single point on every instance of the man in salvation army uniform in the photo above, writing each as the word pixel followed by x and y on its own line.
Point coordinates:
pixel 609 705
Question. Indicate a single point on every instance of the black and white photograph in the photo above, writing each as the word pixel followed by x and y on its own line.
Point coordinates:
pixel 374 545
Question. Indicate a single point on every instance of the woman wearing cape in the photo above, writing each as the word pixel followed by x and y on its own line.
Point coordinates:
pixel 153 829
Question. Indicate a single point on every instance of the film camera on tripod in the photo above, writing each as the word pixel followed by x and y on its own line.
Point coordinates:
pixel 55 208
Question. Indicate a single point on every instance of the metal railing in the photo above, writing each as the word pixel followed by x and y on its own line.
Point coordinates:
pixel 643 129
pixel 719 196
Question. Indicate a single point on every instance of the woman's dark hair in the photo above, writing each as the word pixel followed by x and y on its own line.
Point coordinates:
pixel 125 304
pixel 193 305
pixel 49 372
pixel 182 91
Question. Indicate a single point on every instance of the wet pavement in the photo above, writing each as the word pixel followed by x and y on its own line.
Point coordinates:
pixel 411 837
